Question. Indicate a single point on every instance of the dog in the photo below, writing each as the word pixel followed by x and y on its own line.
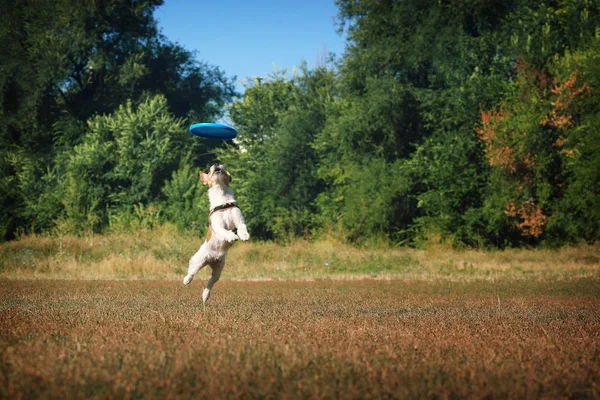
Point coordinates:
pixel 225 217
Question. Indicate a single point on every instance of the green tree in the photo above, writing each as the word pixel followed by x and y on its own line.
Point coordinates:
pixel 185 203
pixel 276 163
pixel 123 161
pixel 414 78
pixel 65 62
pixel 541 142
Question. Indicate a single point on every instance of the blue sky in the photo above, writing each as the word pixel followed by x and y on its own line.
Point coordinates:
pixel 246 38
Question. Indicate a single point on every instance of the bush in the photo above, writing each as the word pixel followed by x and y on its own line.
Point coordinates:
pixel 186 204
pixel 121 164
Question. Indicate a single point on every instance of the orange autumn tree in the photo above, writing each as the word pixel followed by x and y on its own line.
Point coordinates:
pixel 526 144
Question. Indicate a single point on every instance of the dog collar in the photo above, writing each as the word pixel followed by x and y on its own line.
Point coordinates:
pixel 223 207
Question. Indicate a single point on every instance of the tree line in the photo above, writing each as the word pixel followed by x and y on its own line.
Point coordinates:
pixel 472 122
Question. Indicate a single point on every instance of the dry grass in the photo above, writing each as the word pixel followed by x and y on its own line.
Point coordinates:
pixel 100 317
pixel 324 339
pixel 164 253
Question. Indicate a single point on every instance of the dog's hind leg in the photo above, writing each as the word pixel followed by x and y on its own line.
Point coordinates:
pixel 197 262
pixel 217 268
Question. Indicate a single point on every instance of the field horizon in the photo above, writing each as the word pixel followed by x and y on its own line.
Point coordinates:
pixel 163 254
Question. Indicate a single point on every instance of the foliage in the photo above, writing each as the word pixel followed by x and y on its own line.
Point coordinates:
pixel 439 64
pixel 122 161
pixel 530 144
pixel 66 63
pixel 578 212
pixel 276 162
pixel 185 202
pixel 471 122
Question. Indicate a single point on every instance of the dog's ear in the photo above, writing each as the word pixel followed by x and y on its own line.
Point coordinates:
pixel 229 175
pixel 205 178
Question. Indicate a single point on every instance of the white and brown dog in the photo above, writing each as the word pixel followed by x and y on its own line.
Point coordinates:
pixel 225 217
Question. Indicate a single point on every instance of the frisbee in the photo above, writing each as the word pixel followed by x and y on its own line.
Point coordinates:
pixel 213 130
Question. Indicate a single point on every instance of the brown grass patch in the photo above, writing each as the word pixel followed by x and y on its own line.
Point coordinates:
pixel 325 339
pixel 163 253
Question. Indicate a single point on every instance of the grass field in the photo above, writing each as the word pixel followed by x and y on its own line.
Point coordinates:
pixel 112 320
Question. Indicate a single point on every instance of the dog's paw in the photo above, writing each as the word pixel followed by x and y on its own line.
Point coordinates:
pixel 188 279
pixel 231 237
pixel 244 235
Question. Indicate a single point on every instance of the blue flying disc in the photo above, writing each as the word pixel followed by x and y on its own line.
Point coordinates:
pixel 213 131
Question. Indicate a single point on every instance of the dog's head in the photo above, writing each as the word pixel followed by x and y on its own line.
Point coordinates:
pixel 217 176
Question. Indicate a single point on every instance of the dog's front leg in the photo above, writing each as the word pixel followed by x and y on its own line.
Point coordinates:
pixel 240 223
pixel 242 231
pixel 219 230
